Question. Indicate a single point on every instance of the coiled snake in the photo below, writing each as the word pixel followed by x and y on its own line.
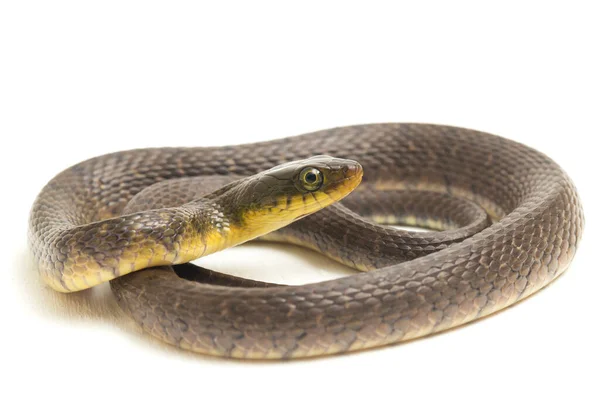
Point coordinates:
pixel 507 222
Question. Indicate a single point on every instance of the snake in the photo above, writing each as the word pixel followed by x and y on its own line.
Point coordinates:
pixel 502 221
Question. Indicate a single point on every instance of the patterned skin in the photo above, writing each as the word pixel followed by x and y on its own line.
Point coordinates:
pixel 513 222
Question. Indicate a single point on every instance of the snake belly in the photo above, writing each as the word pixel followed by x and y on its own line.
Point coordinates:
pixel 511 222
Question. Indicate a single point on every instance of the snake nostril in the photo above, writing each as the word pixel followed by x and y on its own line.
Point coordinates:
pixel 352 169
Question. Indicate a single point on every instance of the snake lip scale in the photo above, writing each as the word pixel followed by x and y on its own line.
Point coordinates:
pixel 505 221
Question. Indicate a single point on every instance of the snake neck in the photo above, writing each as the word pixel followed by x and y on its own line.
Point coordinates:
pixel 223 221
pixel 214 227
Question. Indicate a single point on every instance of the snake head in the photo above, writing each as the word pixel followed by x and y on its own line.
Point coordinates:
pixel 283 194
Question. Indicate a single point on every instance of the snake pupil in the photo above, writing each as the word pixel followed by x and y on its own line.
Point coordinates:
pixel 311 177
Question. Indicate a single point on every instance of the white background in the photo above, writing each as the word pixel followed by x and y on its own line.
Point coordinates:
pixel 79 79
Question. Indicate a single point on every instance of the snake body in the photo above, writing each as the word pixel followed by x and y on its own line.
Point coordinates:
pixel 508 222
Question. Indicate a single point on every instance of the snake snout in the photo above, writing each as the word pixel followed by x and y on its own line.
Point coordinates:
pixel 345 179
pixel 353 169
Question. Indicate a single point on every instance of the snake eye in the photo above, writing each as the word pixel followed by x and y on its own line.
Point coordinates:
pixel 311 179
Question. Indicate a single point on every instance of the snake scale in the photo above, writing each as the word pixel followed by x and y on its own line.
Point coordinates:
pixel 506 221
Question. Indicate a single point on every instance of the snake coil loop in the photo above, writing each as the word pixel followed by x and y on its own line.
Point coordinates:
pixel 509 221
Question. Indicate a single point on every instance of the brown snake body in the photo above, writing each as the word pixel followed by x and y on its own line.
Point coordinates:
pixel 509 222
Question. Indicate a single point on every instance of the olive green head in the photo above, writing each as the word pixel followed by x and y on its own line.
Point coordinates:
pixel 277 197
